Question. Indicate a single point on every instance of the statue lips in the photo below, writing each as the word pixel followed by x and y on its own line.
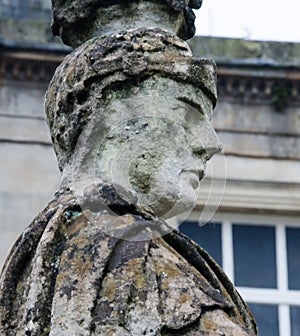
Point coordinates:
pixel 194 176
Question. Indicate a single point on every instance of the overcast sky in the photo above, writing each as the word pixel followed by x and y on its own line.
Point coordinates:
pixel 254 19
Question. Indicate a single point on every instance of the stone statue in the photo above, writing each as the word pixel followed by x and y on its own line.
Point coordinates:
pixel 130 113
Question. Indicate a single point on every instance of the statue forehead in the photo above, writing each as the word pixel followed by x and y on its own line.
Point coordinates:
pixel 175 102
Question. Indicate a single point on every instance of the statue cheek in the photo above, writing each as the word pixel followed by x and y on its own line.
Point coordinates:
pixel 142 170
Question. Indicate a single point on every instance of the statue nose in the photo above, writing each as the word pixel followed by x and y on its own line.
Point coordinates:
pixel 217 148
pixel 206 148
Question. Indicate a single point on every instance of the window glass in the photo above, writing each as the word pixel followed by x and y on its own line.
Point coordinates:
pixel 207 236
pixel 254 256
pixel 295 321
pixel 293 256
pixel 266 317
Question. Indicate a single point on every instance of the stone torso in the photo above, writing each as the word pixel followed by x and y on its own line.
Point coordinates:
pixel 124 273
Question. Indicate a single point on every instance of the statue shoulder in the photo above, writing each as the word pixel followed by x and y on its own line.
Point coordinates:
pixel 99 265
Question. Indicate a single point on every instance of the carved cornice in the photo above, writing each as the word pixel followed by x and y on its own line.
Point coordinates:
pixel 28 66
pixel 259 198
pixel 279 86
pixel 255 83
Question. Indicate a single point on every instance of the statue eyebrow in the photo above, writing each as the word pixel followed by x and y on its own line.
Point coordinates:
pixel 191 103
pixel 195 106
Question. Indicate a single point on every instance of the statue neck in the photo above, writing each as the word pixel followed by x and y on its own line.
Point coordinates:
pixel 119 18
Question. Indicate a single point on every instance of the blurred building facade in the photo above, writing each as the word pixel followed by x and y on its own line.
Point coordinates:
pixel 251 194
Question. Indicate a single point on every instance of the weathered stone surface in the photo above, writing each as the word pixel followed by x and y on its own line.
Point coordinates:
pixel 77 21
pixel 105 63
pixel 115 100
pixel 257 119
pixel 233 50
pixel 29 177
pixel 26 21
pixel 66 276
pixel 102 263
pixel 24 130
pixel 22 100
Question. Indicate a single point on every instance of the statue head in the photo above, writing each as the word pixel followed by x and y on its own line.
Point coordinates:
pixel 141 121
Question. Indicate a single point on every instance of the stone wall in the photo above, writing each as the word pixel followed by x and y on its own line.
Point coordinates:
pixel 26 20
pixel 29 174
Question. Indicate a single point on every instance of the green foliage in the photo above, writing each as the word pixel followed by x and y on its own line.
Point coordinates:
pixel 280 96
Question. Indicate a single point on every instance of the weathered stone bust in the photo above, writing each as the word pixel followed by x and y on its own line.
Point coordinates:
pixel 142 106
pixel 129 114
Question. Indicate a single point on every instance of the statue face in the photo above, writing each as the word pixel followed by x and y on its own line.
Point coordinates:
pixel 157 148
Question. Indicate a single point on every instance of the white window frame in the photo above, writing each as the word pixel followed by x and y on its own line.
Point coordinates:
pixel 282 296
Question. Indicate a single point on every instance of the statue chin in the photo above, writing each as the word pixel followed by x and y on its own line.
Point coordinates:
pixel 167 208
pixel 172 195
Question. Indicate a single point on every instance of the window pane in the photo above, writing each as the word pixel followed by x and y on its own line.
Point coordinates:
pixel 207 236
pixel 254 256
pixel 293 253
pixel 295 321
pixel 266 317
